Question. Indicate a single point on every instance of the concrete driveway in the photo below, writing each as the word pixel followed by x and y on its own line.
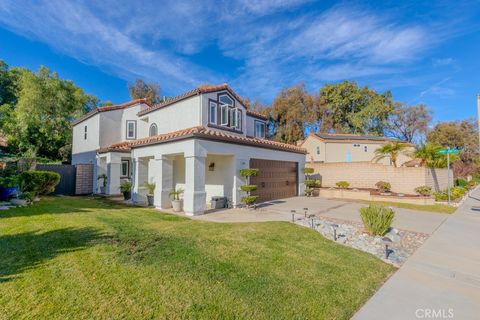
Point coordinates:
pixel 280 210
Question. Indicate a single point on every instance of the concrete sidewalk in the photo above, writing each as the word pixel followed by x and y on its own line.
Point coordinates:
pixel 439 281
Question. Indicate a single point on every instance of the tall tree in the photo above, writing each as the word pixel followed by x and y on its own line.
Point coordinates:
pixel 461 135
pixel 140 89
pixel 347 108
pixel 409 123
pixel 45 106
pixel 289 112
pixel 8 91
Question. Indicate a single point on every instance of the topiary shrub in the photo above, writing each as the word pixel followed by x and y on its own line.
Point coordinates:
pixel 377 219
pixel 424 191
pixel 343 184
pixel 249 200
pixel 38 182
pixel 383 186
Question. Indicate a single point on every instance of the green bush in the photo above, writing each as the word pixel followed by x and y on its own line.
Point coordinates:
pixel 248 187
pixel 455 193
pixel 249 200
pixel 377 219
pixel 343 184
pixel 424 191
pixel 249 172
pixel 308 170
pixel 7 182
pixel 125 186
pixel 38 182
pixel 459 182
pixel 383 186
pixel 312 183
pixel 150 187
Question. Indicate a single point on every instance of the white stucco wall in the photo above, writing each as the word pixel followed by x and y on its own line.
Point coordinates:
pixel 180 115
pixel 79 144
pixel 229 158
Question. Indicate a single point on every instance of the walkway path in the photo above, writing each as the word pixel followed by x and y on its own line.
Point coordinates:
pixel 439 281
pixel 419 221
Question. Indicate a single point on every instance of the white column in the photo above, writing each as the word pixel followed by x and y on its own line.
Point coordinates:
pixel 195 197
pixel 135 179
pixel 238 180
pixel 160 171
pixel 114 163
pixel 301 178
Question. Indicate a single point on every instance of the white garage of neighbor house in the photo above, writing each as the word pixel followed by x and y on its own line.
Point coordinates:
pixel 197 141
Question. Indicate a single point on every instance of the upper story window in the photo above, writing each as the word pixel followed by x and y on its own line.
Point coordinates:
pixel 212 112
pixel 230 115
pixel 318 149
pixel 85 133
pixel 365 148
pixel 131 129
pixel 153 131
pixel 260 129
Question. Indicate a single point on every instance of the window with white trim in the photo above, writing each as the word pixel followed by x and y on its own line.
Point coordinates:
pixel 85 133
pixel 212 112
pixel 224 99
pixel 260 129
pixel 131 129
pixel 365 148
pixel 318 149
pixel 125 168
pixel 153 131
pixel 238 126
pixel 224 115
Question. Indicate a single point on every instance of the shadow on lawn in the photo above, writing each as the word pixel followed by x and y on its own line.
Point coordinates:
pixel 24 251
pixel 62 205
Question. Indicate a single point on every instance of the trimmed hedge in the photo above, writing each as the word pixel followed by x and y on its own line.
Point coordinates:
pixel 38 182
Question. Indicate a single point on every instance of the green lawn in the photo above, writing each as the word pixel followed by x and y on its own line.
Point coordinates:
pixel 440 208
pixel 84 258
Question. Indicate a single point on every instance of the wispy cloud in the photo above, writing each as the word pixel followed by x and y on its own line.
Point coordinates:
pixel 273 47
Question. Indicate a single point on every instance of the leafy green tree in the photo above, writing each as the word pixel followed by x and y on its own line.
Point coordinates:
pixel 409 123
pixel 45 106
pixel 462 135
pixel 347 108
pixel 390 150
pixel 289 112
pixel 140 89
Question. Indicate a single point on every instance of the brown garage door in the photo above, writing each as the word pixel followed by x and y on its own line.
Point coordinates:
pixel 276 180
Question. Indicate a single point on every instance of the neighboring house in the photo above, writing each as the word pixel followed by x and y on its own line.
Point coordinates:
pixel 332 147
pixel 197 141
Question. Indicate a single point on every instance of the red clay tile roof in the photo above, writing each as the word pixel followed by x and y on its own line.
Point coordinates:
pixel 202 132
pixel 110 108
pixel 206 88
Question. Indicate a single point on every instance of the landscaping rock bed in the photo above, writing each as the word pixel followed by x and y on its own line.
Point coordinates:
pixel 402 243
pixel 5 205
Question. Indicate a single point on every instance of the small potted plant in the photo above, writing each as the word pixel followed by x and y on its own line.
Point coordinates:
pixel 176 201
pixel 103 187
pixel 126 189
pixel 151 189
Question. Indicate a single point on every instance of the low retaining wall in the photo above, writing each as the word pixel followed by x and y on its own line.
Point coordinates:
pixel 366 174
pixel 365 195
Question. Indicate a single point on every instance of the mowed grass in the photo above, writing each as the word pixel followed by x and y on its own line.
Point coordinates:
pixel 86 258
pixel 439 208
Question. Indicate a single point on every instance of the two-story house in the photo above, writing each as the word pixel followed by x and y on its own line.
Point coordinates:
pixel 197 141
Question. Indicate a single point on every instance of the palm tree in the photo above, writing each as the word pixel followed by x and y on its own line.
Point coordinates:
pixel 430 156
pixel 390 150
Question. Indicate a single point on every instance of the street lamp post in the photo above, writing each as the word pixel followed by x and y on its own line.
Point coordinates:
pixel 447 151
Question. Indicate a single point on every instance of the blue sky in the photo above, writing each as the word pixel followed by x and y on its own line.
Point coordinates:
pixel 422 52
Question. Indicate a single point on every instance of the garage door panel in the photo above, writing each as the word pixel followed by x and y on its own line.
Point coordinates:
pixel 276 179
